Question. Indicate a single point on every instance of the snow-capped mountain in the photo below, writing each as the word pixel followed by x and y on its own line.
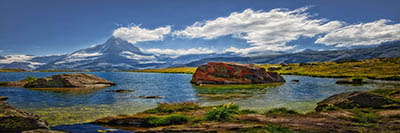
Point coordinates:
pixel 27 62
pixel 115 54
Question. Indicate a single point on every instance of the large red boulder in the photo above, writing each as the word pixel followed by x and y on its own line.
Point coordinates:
pixel 233 73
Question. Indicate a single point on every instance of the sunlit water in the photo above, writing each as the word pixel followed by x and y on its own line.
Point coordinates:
pixel 80 106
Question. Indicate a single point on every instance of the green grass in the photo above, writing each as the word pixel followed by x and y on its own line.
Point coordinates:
pixel 281 111
pixel 30 79
pixel 153 121
pixel 187 70
pixel 223 112
pixel 167 108
pixel 12 70
pixel 270 128
pixel 364 116
pixel 382 68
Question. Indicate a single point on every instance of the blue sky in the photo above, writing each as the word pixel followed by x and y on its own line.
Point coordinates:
pixel 43 27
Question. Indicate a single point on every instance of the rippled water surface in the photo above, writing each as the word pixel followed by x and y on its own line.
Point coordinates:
pixel 79 106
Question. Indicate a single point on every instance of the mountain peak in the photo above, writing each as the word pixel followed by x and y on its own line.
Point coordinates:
pixel 117 45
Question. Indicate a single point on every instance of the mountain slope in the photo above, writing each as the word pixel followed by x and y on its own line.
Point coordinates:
pixel 27 62
pixel 386 50
pixel 115 54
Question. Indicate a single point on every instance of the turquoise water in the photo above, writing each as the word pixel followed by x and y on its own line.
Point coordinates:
pixel 80 106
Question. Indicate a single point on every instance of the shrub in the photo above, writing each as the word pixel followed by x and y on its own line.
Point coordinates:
pixel 152 121
pixel 222 112
pixel 247 111
pixel 173 107
pixel 30 79
pixel 363 116
pixel 279 111
pixel 277 129
pixel 176 119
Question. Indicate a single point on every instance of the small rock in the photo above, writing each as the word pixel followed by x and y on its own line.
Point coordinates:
pixel 42 131
pixel 151 97
pixel 295 80
pixel 354 99
pixel 274 68
pixel 3 98
pixel 351 81
pixel 121 91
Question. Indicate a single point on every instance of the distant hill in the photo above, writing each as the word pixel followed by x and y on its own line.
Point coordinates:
pixel 385 50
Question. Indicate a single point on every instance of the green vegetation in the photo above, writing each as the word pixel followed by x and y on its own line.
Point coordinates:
pixel 223 112
pixel 167 108
pixel 281 111
pixel 152 121
pixel 270 128
pixel 12 70
pixel 187 70
pixel 381 68
pixel 30 79
pixel 364 116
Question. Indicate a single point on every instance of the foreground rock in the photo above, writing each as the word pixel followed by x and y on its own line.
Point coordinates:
pixel 15 120
pixel 233 73
pixel 73 80
pixel 357 99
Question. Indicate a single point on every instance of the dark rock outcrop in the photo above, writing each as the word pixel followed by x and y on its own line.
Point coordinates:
pixel 232 73
pixel 3 98
pixel 121 91
pixel 351 81
pixel 15 120
pixel 357 99
pixel 274 68
pixel 73 80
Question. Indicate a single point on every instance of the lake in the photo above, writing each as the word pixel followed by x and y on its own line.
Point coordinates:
pixel 80 106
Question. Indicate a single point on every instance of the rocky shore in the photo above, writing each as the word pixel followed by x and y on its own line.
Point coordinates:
pixel 372 111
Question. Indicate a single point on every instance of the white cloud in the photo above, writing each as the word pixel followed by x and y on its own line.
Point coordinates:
pixel 179 52
pixel 362 34
pixel 135 34
pixel 264 31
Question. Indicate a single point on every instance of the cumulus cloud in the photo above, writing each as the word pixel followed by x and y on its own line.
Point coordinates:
pixel 180 52
pixel 135 34
pixel 269 31
pixel 362 34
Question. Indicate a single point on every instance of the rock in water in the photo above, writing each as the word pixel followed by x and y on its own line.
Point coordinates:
pixel 15 120
pixel 73 80
pixel 233 73
pixel 3 98
pixel 354 99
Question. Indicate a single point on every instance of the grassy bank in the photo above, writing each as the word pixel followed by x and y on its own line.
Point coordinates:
pixel 12 70
pixel 190 117
pixel 383 68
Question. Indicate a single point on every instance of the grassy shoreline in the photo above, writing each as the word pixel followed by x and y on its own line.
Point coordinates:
pixel 381 69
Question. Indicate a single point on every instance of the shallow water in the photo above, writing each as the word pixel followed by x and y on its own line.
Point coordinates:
pixel 80 106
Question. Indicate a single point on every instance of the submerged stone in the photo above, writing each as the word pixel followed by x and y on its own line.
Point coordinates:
pixel 233 73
